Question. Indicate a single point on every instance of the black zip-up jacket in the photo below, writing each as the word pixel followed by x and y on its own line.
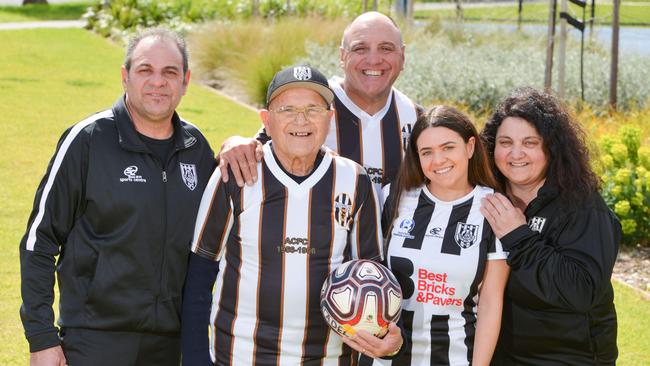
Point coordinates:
pixel 121 222
pixel 559 302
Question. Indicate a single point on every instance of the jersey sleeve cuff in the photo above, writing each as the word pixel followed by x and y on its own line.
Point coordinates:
pixel 205 254
pixel 41 341
pixel 515 237
pixel 497 256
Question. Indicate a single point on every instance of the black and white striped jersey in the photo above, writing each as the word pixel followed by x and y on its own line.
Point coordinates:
pixel 276 242
pixel 376 142
pixel 437 250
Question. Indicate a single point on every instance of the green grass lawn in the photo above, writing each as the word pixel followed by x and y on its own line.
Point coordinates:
pixel 630 14
pixel 633 326
pixel 53 78
pixel 36 12
pixel 49 80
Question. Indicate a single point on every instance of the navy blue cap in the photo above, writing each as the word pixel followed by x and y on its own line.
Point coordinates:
pixel 299 76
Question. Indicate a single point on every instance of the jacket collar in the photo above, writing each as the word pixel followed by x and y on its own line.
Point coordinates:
pixel 128 135
pixel 547 193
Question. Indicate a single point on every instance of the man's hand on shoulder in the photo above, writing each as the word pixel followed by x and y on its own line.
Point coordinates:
pixel 52 356
pixel 242 155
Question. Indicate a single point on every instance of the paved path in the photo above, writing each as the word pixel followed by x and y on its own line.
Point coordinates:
pixel 43 24
pixel 20 2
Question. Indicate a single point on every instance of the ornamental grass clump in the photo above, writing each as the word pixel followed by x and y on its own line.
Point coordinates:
pixel 245 55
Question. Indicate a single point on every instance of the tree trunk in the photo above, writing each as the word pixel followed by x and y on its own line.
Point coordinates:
pixel 256 7
pixel 25 2
pixel 459 11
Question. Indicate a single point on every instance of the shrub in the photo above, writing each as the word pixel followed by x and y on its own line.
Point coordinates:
pixel 625 169
pixel 122 17
pixel 479 70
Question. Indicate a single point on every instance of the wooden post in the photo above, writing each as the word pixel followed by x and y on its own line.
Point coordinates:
pixel 409 11
pixel 400 8
pixel 561 67
pixel 256 8
pixel 521 8
pixel 550 44
pixel 591 19
pixel 613 75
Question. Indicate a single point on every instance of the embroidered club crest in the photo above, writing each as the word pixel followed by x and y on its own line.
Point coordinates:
pixel 406 133
pixel 466 234
pixel 536 223
pixel 188 173
pixel 343 210
pixel 302 72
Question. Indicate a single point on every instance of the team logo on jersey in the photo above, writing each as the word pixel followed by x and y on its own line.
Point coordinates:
pixel 343 210
pixel 302 72
pixel 435 232
pixel 536 223
pixel 404 229
pixel 406 133
pixel 466 234
pixel 131 173
pixel 188 173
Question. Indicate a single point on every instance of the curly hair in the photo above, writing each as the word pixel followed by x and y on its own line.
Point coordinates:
pixel 564 141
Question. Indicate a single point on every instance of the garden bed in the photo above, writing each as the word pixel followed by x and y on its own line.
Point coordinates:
pixel 633 268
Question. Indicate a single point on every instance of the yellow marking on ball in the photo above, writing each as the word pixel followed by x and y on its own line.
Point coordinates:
pixel 349 330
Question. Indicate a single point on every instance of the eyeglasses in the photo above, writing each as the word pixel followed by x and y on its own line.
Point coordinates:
pixel 289 112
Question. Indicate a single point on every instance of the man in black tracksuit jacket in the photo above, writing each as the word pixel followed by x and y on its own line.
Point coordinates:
pixel 559 302
pixel 117 205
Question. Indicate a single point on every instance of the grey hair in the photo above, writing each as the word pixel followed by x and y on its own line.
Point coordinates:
pixel 160 33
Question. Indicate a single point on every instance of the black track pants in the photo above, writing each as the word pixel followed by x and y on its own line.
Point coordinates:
pixel 87 347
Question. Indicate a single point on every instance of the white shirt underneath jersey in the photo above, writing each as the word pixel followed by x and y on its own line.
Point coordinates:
pixel 438 273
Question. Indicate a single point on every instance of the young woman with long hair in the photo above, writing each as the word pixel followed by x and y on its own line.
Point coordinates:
pixel 449 264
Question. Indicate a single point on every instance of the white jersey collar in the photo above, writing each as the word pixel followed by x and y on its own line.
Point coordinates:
pixel 287 181
pixel 450 203
pixel 336 83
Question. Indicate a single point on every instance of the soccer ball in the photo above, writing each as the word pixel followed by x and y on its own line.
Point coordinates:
pixel 361 294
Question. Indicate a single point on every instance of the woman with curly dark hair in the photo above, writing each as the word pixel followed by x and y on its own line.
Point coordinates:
pixel 561 237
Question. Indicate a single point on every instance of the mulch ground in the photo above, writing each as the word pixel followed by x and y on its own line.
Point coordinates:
pixel 633 268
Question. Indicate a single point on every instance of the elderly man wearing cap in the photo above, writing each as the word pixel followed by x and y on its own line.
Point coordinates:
pixel 373 119
pixel 268 247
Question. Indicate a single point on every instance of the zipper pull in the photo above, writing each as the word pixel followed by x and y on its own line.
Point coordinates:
pixel 164 176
